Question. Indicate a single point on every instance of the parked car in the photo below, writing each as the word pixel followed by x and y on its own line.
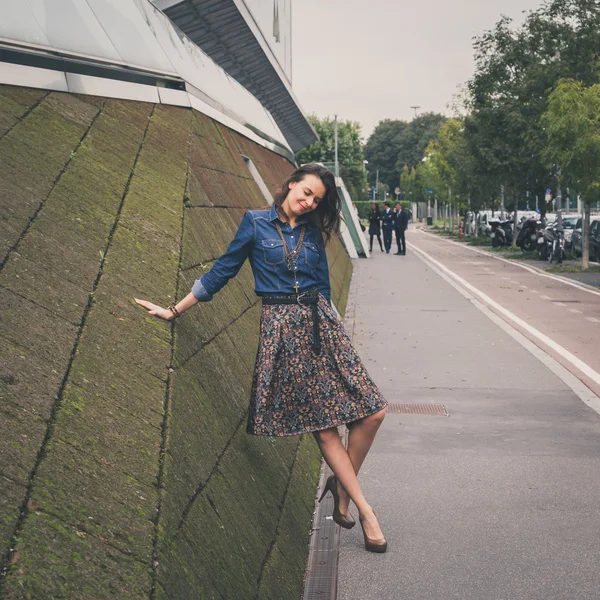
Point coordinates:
pixel 595 240
pixel 577 238
pixel 569 222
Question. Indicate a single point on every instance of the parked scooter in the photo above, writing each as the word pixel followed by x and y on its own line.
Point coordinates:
pixel 528 234
pixel 501 233
pixel 551 244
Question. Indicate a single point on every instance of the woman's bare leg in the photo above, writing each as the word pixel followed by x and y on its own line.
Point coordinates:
pixel 360 438
pixel 337 458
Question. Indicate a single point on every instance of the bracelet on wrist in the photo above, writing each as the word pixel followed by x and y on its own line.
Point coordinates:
pixel 176 313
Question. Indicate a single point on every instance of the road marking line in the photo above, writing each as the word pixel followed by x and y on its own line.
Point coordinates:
pixel 515 263
pixel 558 304
pixel 534 291
pixel 571 380
pixel 545 298
pixel 593 319
pixel 574 310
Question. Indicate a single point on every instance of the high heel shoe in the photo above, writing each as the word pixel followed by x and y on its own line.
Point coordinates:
pixel 345 521
pixel 371 544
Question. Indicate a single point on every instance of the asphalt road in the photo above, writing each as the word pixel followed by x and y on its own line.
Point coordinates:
pixel 501 499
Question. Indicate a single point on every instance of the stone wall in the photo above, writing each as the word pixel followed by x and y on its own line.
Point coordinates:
pixel 125 469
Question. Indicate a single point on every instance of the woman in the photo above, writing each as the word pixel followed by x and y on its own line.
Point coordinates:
pixel 375 225
pixel 308 377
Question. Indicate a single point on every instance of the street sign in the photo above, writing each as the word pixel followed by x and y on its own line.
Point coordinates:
pixel 548 195
pixel 397 191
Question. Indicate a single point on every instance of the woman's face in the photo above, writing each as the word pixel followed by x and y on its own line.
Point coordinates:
pixel 305 195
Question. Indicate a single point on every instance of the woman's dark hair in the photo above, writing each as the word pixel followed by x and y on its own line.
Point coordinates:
pixel 376 209
pixel 327 215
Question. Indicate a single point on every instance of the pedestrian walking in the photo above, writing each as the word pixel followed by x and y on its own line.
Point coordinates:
pixel 375 226
pixel 308 378
pixel 400 227
pixel 387 225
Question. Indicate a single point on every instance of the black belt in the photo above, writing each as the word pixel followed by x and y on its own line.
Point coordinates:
pixel 308 298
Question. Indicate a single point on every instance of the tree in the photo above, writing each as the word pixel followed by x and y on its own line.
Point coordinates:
pixel 572 125
pixel 350 152
pixel 409 188
pixel 453 166
pixel 515 68
pixel 394 144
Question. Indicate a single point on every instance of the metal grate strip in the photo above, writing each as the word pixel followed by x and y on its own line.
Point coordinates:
pixel 418 409
pixel 321 570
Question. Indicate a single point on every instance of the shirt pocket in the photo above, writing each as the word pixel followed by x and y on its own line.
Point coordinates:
pixel 311 254
pixel 273 251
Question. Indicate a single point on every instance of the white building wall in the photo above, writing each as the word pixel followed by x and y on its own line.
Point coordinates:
pixel 131 33
pixel 274 19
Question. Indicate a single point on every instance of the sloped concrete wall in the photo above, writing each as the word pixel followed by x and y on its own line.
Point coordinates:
pixel 125 470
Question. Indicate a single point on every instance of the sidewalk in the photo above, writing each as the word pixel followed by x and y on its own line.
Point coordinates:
pixel 498 501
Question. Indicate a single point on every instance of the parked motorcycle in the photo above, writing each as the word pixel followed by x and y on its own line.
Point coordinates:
pixel 551 244
pixel 501 233
pixel 528 234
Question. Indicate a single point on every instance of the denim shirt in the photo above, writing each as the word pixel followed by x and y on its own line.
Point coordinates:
pixel 258 239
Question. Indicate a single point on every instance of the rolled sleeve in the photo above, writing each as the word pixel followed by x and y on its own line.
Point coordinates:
pixel 200 292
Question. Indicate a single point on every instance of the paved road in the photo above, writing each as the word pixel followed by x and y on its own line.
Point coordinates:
pixel 499 501
pixel 566 313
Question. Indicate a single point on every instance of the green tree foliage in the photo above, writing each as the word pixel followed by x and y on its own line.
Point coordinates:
pixel 394 144
pixel 515 68
pixel 409 189
pixel 448 168
pixel 572 124
pixel 350 152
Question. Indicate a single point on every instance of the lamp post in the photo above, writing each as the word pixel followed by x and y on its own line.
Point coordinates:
pixel 337 167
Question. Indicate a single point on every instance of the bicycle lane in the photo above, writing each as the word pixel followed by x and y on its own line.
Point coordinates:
pixel 561 318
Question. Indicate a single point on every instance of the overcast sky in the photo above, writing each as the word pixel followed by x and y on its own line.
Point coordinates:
pixel 374 59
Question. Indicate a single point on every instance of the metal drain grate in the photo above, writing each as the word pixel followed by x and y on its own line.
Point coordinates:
pixel 418 409
pixel 320 582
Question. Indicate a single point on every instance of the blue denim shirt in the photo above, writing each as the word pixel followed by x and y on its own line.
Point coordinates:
pixel 258 239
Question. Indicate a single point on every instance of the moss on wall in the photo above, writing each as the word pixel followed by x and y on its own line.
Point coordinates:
pixel 125 469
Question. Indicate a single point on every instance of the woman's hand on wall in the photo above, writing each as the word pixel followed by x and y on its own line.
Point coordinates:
pixel 155 310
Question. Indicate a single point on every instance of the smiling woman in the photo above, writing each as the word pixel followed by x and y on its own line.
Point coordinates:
pixel 308 377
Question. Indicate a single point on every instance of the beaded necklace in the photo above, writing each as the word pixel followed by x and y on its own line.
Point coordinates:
pixel 292 256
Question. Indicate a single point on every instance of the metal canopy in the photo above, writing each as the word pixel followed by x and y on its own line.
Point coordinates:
pixel 233 41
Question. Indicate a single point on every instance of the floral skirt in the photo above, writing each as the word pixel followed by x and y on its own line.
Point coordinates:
pixel 298 391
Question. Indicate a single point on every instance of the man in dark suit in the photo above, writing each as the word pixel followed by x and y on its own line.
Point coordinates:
pixel 387 225
pixel 400 226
